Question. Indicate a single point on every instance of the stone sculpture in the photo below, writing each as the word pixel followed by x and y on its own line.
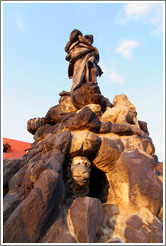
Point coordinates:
pixel 123 111
pixel 80 169
pixel 83 59
pixel 92 175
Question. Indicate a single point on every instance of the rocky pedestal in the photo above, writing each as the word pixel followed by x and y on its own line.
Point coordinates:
pixel 91 176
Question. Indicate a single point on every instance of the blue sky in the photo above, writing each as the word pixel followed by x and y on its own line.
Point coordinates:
pixel 128 36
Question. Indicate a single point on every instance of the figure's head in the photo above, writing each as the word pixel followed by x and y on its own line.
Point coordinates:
pixel 74 35
pixel 89 38
pixel 80 169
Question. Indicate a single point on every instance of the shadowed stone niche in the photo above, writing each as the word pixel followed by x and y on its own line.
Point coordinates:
pixel 81 178
pixel 92 175
pixel 98 184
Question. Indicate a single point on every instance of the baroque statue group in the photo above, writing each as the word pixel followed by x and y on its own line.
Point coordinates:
pixel 91 175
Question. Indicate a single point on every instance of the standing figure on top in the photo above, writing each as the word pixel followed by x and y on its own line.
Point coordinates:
pixel 83 59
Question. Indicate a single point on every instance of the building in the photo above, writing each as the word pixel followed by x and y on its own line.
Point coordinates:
pixel 14 148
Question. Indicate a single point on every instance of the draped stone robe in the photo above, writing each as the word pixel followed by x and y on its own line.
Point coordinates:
pixel 82 57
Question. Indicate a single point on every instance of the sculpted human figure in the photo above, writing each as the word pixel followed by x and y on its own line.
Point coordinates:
pixel 83 59
pixel 123 111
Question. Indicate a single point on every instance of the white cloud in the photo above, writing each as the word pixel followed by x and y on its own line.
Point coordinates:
pixel 116 77
pixel 19 22
pixel 126 47
pixel 157 20
pixel 146 12
pixel 137 9
pixel 111 75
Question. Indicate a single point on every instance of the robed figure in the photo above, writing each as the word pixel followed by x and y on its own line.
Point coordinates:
pixel 83 59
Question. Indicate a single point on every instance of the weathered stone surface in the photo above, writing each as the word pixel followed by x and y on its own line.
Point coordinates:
pixel 16 194
pixel 88 93
pixel 156 227
pixel 132 235
pixel 34 124
pixel 148 146
pixel 112 222
pixel 51 156
pixel 139 226
pixel 56 115
pixel 105 127
pixel 84 143
pixel 133 182
pixel 96 108
pixel 103 235
pixel 84 218
pixel 10 167
pixel 58 233
pixel 32 216
pixel 60 141
pixel 121 129
pixel 42 132
pixel 149 231
pixel 16 181
pixel 111 209
pixel 143 126
pixel 136 141
pixel 85 119
pixel 53 115
pixel 55 161
pixel 51 141
pixel 157 236
pixel 107 156
pixel 131 142
pixel 109 115
pixel 10 202
pixel 48 155
pixel 120 144
pixel 66 104
pixel 135 221
pixel 155 224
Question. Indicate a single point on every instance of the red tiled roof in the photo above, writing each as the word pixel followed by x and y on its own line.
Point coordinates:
pixel 17 149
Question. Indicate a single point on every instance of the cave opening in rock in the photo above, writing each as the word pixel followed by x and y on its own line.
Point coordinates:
pixel 98 185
